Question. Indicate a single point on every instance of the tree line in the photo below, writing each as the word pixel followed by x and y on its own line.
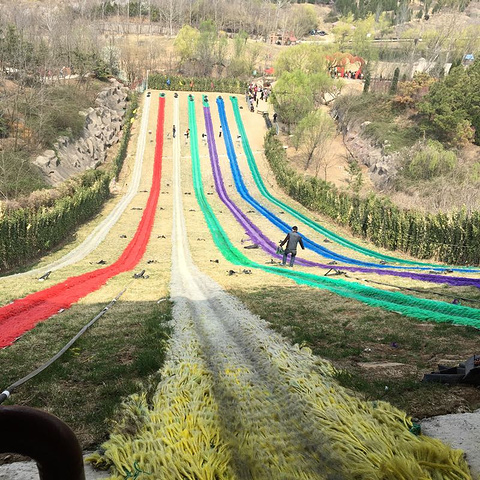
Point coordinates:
pixel 449 238
pixel 399 11
pixel 231 16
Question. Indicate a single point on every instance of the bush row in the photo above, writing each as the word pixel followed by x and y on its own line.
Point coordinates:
pixel 160 82
pixel 452 238
pixel 122 151
pixel 27 233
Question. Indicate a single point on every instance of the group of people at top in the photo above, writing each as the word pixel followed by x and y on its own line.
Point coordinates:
pixel 338 72
pixel 254 93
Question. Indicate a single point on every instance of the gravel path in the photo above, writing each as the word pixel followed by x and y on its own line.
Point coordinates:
pixel 459 430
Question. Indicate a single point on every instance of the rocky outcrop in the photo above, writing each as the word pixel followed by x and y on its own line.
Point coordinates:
pixel 103 125
pixel 382 168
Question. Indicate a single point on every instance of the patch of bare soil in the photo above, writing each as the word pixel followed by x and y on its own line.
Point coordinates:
pixel 334 167
pixel 471 153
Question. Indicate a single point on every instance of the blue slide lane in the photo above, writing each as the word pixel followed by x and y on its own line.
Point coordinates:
pixel 243 191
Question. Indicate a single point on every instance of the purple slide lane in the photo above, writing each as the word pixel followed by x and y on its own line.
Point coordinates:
pixel 269 246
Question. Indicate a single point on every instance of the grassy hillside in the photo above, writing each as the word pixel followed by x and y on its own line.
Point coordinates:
pixel 33 118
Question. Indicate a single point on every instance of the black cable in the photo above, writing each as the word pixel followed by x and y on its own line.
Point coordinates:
pixel 8 391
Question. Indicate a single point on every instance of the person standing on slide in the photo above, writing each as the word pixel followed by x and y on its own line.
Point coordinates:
pixel 292 239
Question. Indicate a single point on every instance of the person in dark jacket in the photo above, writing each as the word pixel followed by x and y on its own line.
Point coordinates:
pixel 292 239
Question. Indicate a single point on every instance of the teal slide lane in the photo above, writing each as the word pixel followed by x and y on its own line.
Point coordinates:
pixel 314 225
pixel 404 304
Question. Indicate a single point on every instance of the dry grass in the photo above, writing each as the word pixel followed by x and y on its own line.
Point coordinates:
pixel 115 358
pixel 157 53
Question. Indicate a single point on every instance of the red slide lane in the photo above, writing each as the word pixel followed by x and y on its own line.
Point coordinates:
pixel 23 314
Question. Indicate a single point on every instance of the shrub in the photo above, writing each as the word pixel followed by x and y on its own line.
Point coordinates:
pixel 18 175
pixel 432 160
pixel 160 82
pixel 4 128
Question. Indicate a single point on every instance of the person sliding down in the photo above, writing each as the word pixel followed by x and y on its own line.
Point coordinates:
pixel 292 239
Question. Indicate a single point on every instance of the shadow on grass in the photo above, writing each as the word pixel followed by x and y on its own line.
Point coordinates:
pixel 378 354
pixel 121 354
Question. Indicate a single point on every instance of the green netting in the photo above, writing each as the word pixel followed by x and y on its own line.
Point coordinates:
pixel 307 221
pixel 419 308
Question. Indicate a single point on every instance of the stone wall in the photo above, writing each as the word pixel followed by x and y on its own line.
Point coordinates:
pixel 382 168
pixel 103 125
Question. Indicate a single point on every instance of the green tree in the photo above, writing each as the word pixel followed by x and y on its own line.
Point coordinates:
pixel 431 160
pixel 311 137
pixel 185 43
pixel 310 60
pixel 293 97
pixel 304 19
pixel 101 70
pixel 3 126
pixel 10 44
pixel 18 176
pixel 325 88
pixel 244 58
pixel 206 47
pixel 238 66
pixel 452 106
pixel 240 43
pixel 307 58
pixel 343 32
pixel 366 85
pixel 355 177
pixel 362 38
pixel 346 7
pixel 394 84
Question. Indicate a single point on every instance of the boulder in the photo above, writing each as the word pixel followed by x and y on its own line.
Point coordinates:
pixel 103 125
pixel 47 160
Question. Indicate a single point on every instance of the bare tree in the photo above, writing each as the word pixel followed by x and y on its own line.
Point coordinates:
pixel 324 160
pixel 313 136
pixel 170 12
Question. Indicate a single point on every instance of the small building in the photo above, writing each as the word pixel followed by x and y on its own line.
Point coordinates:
pixel 283 38
pixel 468 59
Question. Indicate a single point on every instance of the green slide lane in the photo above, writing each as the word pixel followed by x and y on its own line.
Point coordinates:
pixel 307 221
pixel 419 308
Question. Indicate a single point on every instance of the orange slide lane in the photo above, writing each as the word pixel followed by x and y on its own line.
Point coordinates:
pixel 23 314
